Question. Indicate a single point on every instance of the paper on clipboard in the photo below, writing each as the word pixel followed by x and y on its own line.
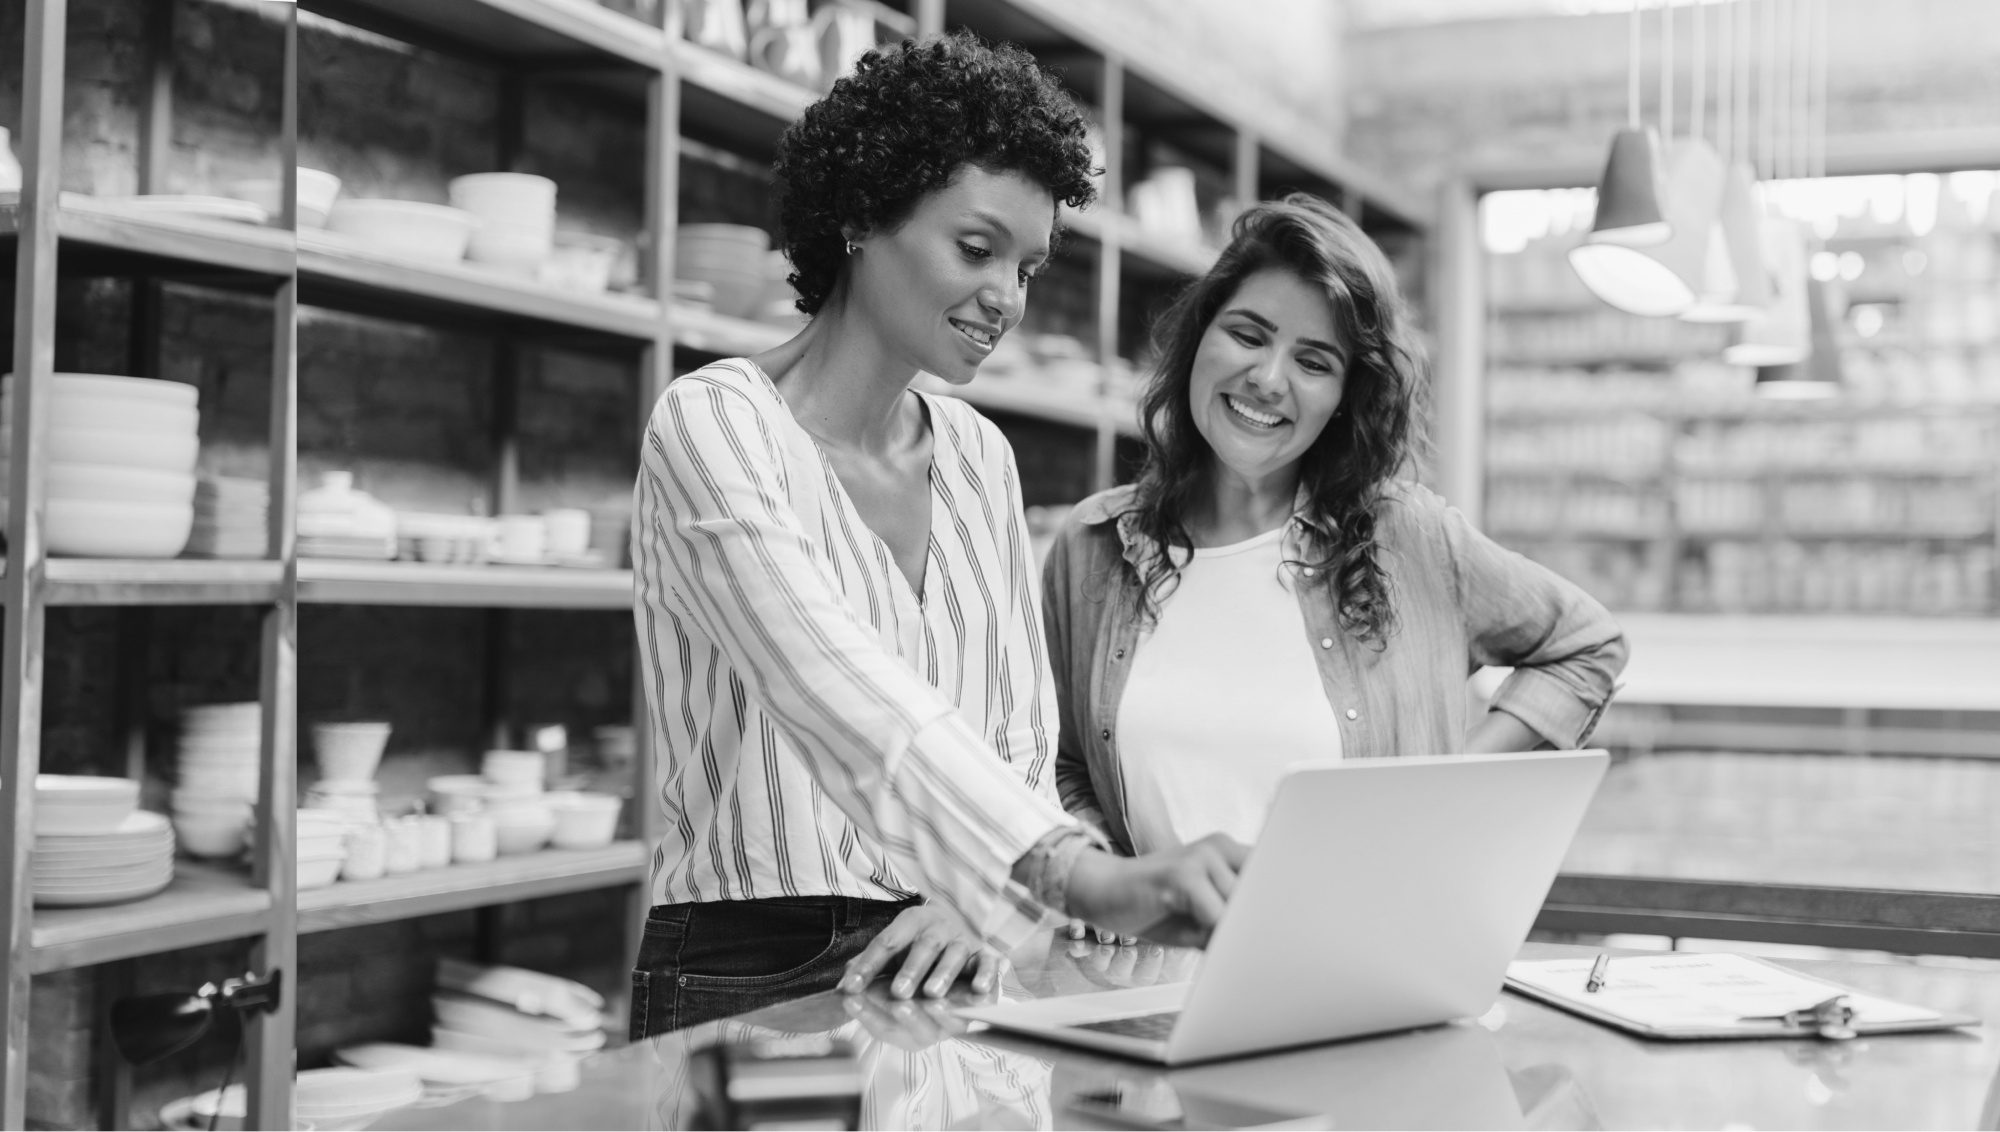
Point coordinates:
pixel 1705 995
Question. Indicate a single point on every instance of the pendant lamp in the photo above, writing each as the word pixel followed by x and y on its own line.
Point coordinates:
pixel 1819 376
pixel 1738 285
pixel 1781 334
pixel 1665 279
pixel 1628 196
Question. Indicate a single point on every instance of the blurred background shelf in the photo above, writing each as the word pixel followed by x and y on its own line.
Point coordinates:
pixel 204 904
pixel 101 225
pixel 700 328
pixel 337 581
pixel 546 33
pixel 170 581
pixel 333 273
pixel 550 872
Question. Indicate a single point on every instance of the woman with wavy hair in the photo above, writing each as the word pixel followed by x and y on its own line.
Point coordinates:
pixel 840 634
pixel 1273 588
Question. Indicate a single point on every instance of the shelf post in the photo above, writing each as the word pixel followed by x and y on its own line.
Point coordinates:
pixel 663 186
pixel 1458 406
pixel 1246 172
pixel 930 17
pixel 43 40
pixel 1111 103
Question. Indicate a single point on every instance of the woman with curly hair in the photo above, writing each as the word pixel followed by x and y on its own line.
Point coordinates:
pixel 840 635
pixel 1271 590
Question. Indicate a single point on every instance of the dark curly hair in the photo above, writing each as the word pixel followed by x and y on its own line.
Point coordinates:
pixel 910 117
pixel 1370 439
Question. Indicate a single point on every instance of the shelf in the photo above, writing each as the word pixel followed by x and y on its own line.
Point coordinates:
pixel 728 103
pixel 699 328
pixel 551 872
pixel 1874 535
pixel 204 904
pixel 544 32
pixel 336 273
pixel 162 581
pixel 1023 397
pixel 1147 254
pixel 103 225
pixel 328 581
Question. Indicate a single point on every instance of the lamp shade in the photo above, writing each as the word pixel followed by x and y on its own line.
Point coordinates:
pixel 1819 375
pixel 1736 283
pixel 1664 279
pixel 1782 334
pixel 1628 198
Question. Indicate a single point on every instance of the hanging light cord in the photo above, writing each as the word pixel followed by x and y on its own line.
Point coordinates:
pixel 1632 71
pixel 1698 82
pixel 1667 71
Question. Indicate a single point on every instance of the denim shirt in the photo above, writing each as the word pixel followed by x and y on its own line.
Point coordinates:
pixel 1461 601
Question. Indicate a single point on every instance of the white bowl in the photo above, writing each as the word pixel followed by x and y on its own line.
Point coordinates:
pixel 584 821
pixel 510 247
pixel 316 192
pixel 523 829
pixel 204 836
pixel 158 451
pixel 124 413
pixel 318 872
pixel 405 228
pixel 506 198
pixel 109 483
pixel 349 751
pixel 514 767
pixel 90 529
pixel 156 390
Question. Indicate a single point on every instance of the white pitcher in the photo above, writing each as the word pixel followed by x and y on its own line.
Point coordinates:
pixel 718 26
pixel 845 33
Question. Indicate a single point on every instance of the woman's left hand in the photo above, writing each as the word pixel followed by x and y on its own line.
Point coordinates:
pixel 935 950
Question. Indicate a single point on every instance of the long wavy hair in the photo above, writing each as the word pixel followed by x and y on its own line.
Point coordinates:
pixel 1370 440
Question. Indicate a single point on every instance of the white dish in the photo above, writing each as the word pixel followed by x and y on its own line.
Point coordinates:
pixel 109 483
pixel 522 830
pixel 515 248
pixel 83 804
pixel 349 751
pixel 316 193
pixel 405 229
pixel 141 826
pixel 476 1015
pixel 434 1066
pixel 188 206
pixel 149 389
pixel 202 837
pixel 513 767
pixel 122 413
pixel 347 1092
pixel 91 529
pixel 89 899
pixel 318 872
pixel 585 821
pixel 159 451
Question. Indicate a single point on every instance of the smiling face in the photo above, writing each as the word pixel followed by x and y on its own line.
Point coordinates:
pixel 1267 376
pixel 948 282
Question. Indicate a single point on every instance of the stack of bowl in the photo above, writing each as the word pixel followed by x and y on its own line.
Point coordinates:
pixel 349 752
pixel 522 817
pixel 516 214
pixel 728 257
pixel 93 845
pixel 121 464
pixel 218 775
pixel 331 1099
pixel 230 518
pixel 404 229
pixel 322 841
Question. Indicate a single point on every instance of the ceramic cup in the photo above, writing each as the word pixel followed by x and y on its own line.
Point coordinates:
pixel 367 852
pixel 521 538
pixel 568 530
pixel 403 846
pixel 473 838
pixel 433 841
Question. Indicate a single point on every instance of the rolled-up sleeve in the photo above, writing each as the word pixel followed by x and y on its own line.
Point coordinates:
pixel 1564 647
pixel 720 544
pixel 1059 613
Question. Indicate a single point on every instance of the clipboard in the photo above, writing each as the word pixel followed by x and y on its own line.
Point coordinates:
pixel 1691 996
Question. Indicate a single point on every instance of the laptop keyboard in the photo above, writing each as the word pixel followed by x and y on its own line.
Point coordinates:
pixel 1145 1027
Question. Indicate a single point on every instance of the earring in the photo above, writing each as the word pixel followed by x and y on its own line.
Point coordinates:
pixel 852 247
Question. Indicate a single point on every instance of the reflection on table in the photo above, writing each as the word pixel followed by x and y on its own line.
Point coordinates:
pixel 1522 1065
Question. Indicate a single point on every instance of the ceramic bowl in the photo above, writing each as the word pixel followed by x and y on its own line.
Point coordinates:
pixel 518 248
pixel 78 804
pixel 584 821
pixel 158 451
pixel 349 751
pixel 124 413
pixel 406 229
pixel 148 389
pixel 318 872
pixel 514 767
pixel 316 192
pixel 209 836
pixel 522 829
pixel 93 529
pixel 109 483
pixel 506 198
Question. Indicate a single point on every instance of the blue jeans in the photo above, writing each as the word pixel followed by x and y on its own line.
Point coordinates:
pixel 700 962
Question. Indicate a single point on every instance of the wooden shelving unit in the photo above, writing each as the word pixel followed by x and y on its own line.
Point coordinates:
pixel 42 229
pixel 336 582
pixel 551 872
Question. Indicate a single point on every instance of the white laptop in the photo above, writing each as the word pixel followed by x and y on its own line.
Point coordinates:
pixel 1382 894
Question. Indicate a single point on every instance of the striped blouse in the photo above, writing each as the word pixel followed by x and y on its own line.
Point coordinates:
pixel 819 728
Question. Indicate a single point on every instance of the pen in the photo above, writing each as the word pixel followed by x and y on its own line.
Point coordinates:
pixel 1597 972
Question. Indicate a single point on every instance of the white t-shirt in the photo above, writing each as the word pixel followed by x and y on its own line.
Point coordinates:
pixel 1223 695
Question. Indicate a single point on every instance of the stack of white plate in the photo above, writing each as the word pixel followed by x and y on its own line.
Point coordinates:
pixel 337 521
pixel 121 464
pixel 219 748
pixel 230 518
pixel 330 1099
pixel 475 1014
pixel 447 1072
pixel 728 257
pixel 129 862
pixel 322 846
